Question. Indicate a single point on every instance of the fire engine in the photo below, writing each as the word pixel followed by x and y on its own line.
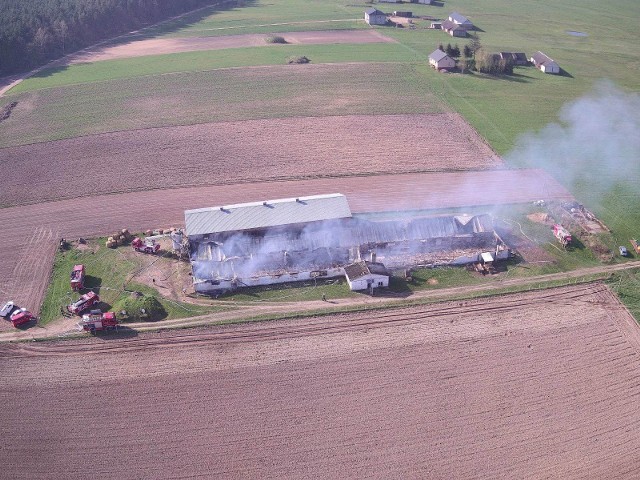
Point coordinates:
pixel 77 278
pixel 97 321
pixel 85 302
pixel 149 245
pixel 562 234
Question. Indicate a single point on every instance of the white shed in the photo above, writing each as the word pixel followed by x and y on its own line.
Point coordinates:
pixel 365 275
pixel 544 63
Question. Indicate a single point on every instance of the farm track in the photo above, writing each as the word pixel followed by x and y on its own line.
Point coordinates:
pixel 102 215
pixel 535 385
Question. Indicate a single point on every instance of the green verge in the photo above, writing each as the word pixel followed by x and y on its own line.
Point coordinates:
pixel 270 54
pixel 626 285
pixel 218 96
pixel 107 270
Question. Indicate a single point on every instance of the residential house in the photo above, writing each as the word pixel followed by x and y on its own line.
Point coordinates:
pixel 441 61
pixel 454 29
pixel 518 58
pixel 375 17
pixel 461 20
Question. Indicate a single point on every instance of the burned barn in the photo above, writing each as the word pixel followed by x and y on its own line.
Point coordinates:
pixel 299 239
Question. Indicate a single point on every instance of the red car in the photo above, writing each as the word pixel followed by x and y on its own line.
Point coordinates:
pixel 21 316
pixel 85 302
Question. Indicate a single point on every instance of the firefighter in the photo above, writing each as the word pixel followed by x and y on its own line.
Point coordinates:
pixel 324 297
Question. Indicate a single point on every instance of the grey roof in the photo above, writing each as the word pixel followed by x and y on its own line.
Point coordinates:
pixel 247 216
pixel 540 58
pixel 456 17
pixel 363 268
pixel 449 25
pixel 373 11
pixel 437 55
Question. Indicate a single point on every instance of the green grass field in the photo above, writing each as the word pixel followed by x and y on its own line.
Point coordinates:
pixel 107 270
pixel 216 96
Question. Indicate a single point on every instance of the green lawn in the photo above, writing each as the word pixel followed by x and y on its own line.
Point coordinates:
pixel 216 96
pixel 107 271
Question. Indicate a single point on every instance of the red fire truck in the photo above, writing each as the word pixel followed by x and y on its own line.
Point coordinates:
pixel 77 278
pixel 84 303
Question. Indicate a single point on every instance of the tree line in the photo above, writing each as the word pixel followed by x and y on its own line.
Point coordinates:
pixel 34 31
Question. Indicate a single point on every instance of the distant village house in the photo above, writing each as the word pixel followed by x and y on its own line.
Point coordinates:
pixel 461 20
pixel 375 17
pixel 454 29
pixel 544 63
pixel 518 58
pixel 441 61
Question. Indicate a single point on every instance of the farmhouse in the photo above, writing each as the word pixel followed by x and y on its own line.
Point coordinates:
pixel 365 275
pixel 518 58
pixel 544 63
pixel 441 61
pixel 461 20
pixel 375 17
pixel 454 29
pixel 301 239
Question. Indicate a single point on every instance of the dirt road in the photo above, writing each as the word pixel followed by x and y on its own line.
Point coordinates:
pixel 526 386
pixel 45 223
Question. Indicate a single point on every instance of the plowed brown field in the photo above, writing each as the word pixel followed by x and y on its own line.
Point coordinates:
pixel 24 266
pixel 233 152
pixel 540 385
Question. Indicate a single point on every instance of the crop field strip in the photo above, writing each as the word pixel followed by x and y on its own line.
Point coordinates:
pixel 239 152
pixel 217 96
pixel 538 384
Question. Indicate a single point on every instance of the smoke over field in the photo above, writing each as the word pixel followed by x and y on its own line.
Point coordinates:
pixel 594 149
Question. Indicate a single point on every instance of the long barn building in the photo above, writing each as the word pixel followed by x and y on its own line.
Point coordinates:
pixel 296 239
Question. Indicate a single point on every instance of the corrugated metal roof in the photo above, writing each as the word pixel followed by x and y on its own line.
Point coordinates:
pixel 437 55
pixel 270 213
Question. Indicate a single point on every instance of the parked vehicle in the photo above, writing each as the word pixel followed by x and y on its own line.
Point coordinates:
pixel 21 316
pixel 84 303
pixel 97 321
pixel 147 245
pixel 77 278
pixel 8 309
pixel 623 251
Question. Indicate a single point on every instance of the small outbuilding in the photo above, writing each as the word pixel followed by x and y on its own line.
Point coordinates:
pixel 544 63
pixel 441 61
pixel 454 29
pixel 423 2
pixel 366 275
pixel 374 16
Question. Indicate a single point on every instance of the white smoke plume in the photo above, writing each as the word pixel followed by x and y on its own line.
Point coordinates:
pixel 594 147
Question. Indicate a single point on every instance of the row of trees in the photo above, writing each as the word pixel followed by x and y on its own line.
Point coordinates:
pixel 479 60
pixel 34 31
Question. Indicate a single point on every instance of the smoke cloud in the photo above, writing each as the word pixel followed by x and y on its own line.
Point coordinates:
pixel 594 148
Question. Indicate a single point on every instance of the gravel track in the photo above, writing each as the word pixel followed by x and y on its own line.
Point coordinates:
pixel 537 385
